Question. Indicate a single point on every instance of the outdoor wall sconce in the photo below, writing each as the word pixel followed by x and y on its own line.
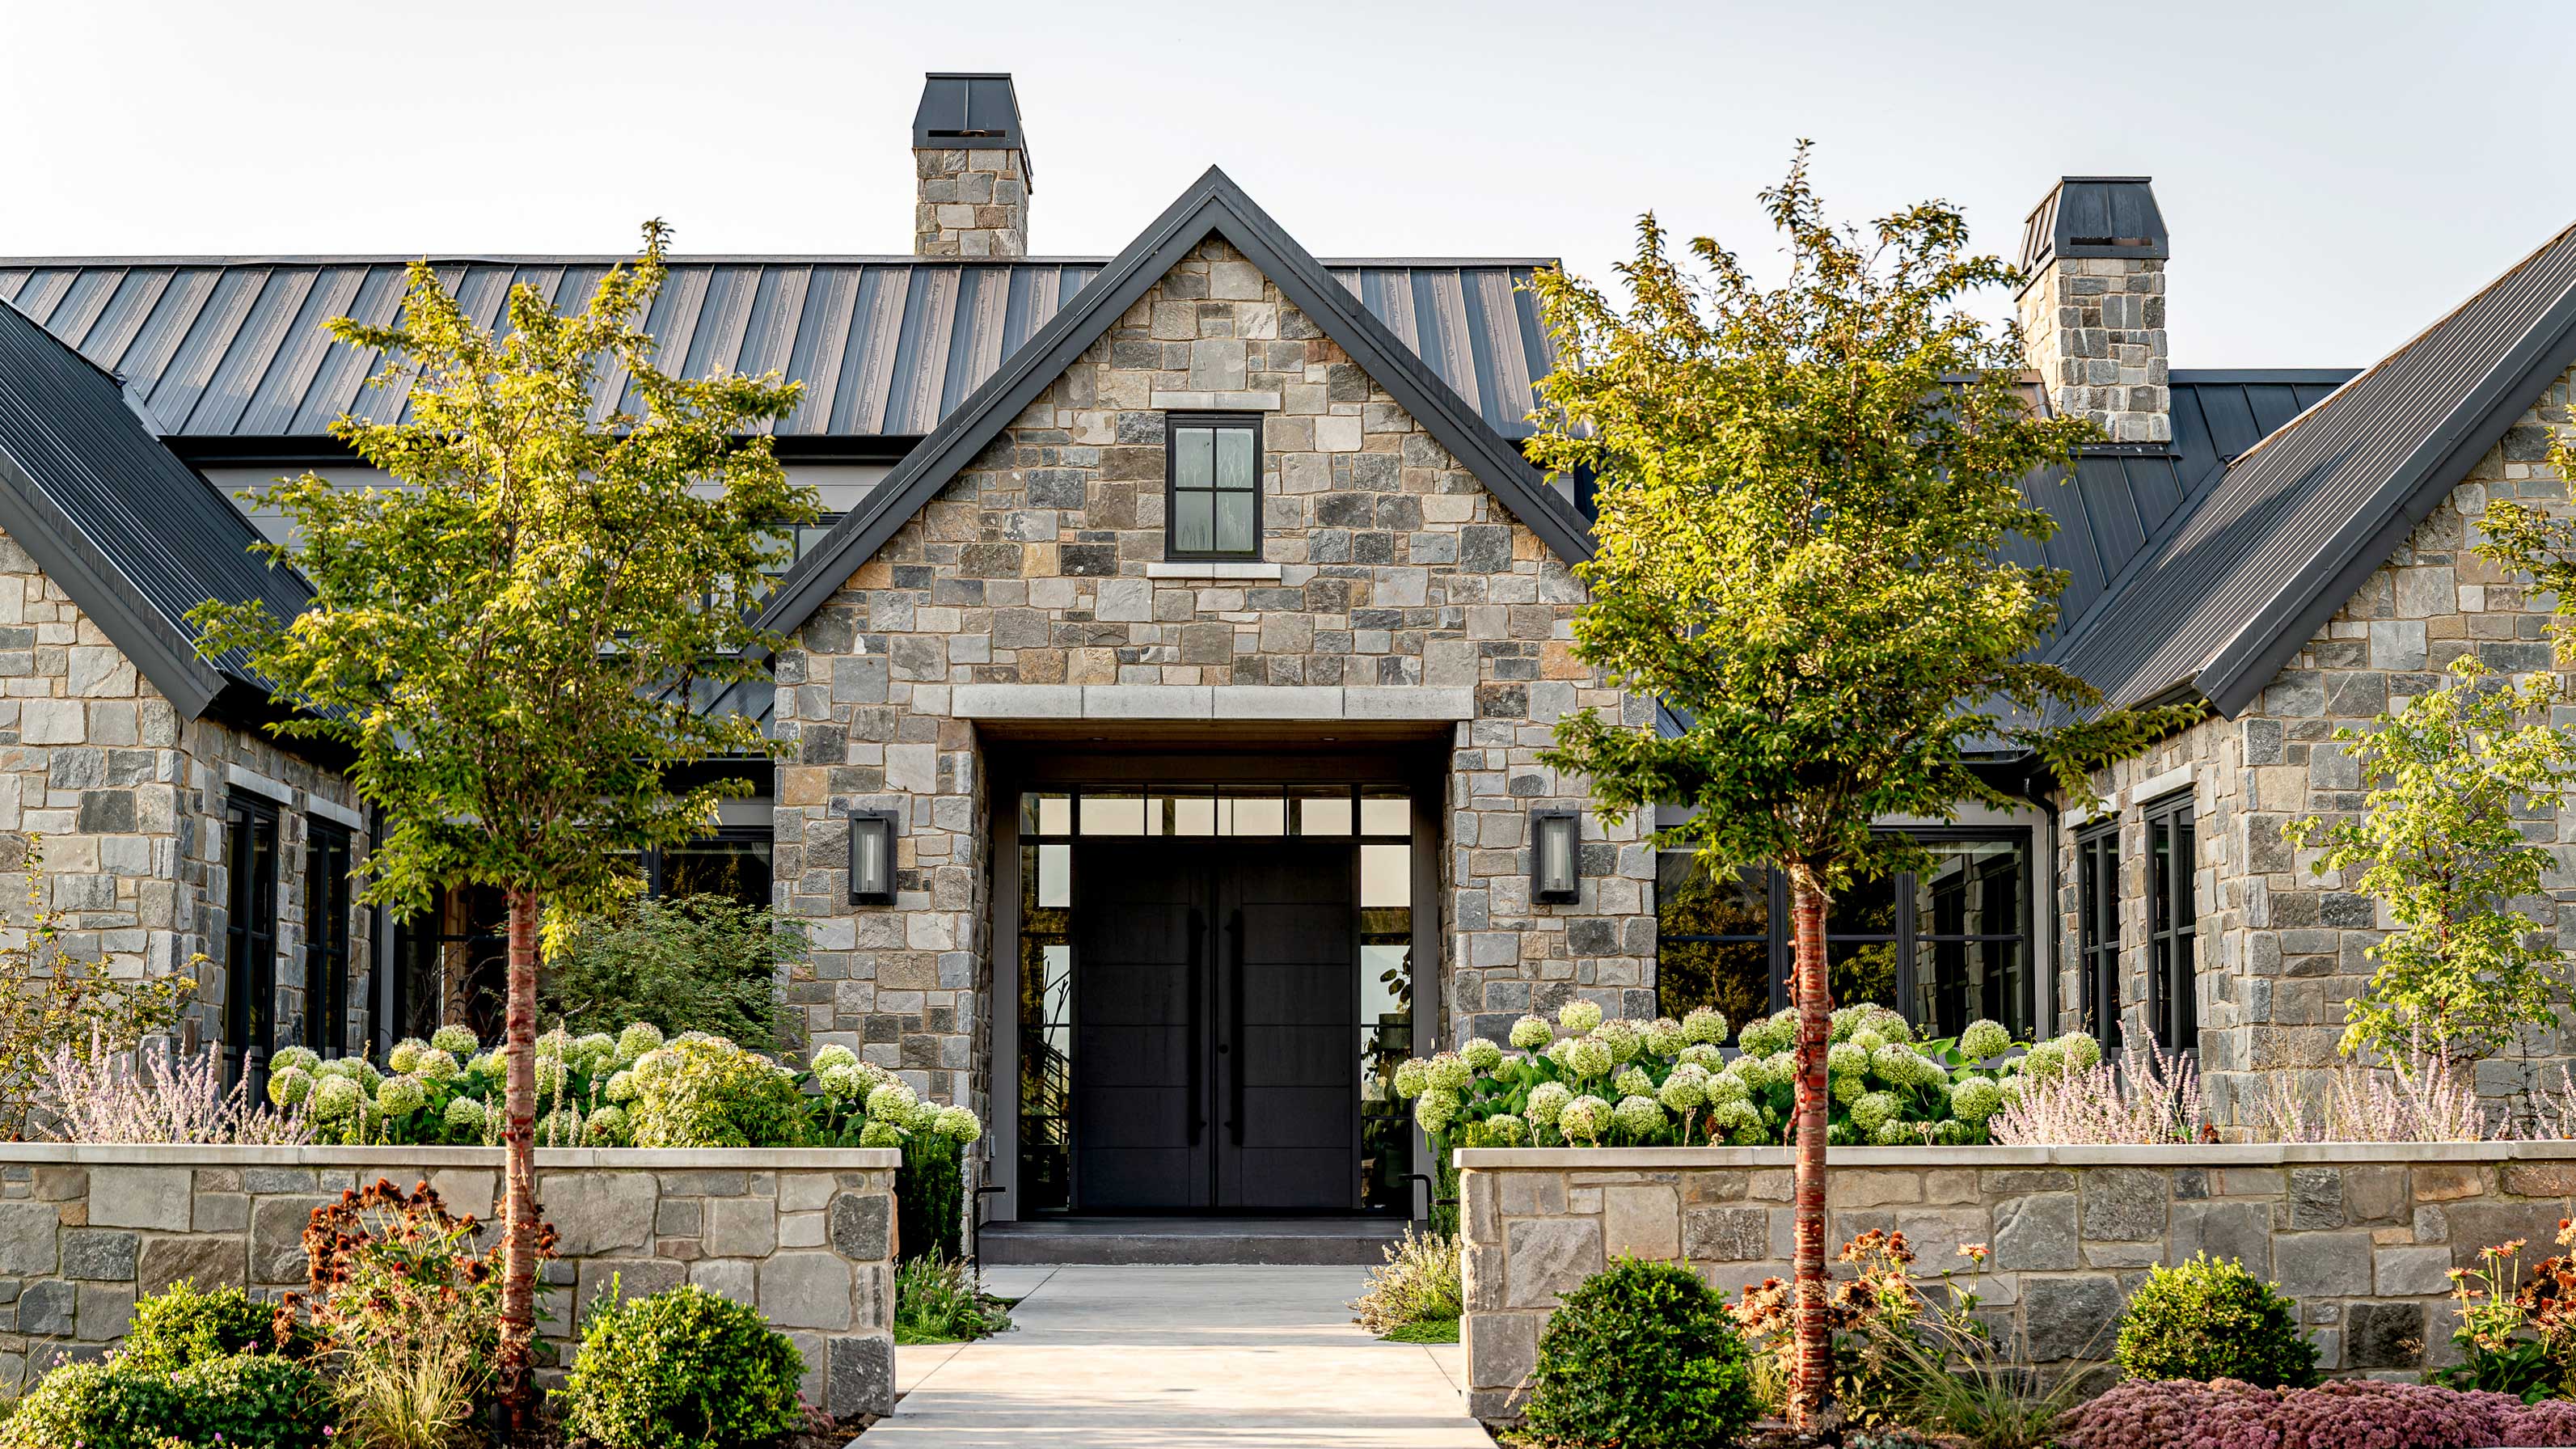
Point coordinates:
pixel 1553 836
pixel 871 857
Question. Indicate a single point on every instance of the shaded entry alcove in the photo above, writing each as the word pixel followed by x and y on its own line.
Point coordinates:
pixel 1206 967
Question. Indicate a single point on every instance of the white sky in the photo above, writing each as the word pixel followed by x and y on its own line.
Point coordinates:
pixel 2334 176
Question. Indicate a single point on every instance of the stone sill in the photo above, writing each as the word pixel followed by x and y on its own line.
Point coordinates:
pixel 2234 1154
pixel 1247 571
pixel 196 1154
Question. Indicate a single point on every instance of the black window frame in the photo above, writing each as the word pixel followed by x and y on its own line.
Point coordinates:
pixel 1173 422
pixel 655 862
pixel 329 854
pixel 2173 921
pixel 2097 930
pixel 250 936
pixel 1909 930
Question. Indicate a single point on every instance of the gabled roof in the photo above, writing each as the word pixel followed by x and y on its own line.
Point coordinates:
pixel 2244 577
pixel 135 536
pixel 1213 206
pixel 230 349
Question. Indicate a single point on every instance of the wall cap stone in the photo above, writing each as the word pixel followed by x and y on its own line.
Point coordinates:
pixel 2232 1154
pixel 549 1159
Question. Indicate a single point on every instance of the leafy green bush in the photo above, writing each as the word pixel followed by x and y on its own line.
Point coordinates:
pixel 1665 1082
pixel 2210 1319
pixel 1641 1356
pixel 698 963
pixel 253 1400
pixel 706 1092
pixel 686 1369
pixel 1420 1282
pixel 937 1301
pixel 180 1327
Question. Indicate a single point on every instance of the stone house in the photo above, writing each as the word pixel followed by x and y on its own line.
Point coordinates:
pixel 1166 683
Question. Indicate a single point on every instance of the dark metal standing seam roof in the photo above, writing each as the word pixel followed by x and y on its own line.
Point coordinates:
pixel 135 536
pixel 233 347
pixel 2246 575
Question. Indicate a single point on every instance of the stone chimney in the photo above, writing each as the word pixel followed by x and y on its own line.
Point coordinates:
pixel 2093 304
pixel 972 191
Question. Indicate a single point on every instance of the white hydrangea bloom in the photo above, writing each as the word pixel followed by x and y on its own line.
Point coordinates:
pixel 1579 1016
pixel 1480 1054
pixel 1530 1033
pixel 1705 1026
pixel 1547 1100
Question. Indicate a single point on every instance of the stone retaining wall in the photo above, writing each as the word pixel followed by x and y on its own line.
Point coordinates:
pixel 2363 1236
pixel 806 1236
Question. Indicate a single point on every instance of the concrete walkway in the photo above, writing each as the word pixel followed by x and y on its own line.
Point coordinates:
pixel 1178 1358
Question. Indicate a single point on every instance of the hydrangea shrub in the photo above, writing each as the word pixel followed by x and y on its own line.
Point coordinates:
pixel 1583 1081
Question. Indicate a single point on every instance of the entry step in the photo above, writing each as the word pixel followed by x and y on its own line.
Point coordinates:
pixel 1118 1240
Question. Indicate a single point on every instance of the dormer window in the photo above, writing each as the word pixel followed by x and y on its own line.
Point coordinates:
pixel 1212 486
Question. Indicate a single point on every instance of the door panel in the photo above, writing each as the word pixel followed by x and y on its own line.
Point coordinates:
pixel 1216 998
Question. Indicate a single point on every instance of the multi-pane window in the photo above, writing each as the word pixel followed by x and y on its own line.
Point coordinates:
pixel 2097 932
pixel 250 937
pixel 1212 495
pixel 1945 945
pixel 326 939
pixel 2172 924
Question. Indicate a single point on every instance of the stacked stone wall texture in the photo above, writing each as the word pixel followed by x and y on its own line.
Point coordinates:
pixel 805 1237
pixel 2282 949
pixel 1043 563
pixel 2363 1237
pixel 128 802
pixel 971 203
pixel 2095 329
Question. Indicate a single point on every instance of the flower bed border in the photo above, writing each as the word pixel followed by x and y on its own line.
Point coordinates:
pixel 2362 1234
pixel 555 1159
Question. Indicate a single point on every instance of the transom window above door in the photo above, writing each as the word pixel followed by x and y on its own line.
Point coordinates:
pixel 1212 486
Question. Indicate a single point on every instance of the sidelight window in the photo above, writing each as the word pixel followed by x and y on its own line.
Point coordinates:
pixel 250 937
pixel 2173 920
pixel 2097 932
pixel 1212 486
pixel 326 938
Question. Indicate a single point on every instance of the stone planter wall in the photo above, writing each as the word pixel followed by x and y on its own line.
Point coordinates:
pixel 806 1236
pixel 2362 1236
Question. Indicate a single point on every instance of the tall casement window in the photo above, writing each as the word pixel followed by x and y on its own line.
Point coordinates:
pixel 1945 945
pixel 2172 924
pixel 1212 486
pixel 326 938
pixel 250 936
pixel 2097 931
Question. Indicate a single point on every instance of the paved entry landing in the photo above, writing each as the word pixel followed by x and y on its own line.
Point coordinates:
pixel 1178 1358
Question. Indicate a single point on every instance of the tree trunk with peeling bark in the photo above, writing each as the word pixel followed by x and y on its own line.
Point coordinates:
pixel 519 1209
pixel 1812 1379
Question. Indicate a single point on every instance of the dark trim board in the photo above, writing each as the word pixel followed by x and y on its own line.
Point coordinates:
pixel 1213 206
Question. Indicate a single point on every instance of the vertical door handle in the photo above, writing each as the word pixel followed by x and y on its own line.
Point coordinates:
pixel 1195 1046
pixel 1234 1033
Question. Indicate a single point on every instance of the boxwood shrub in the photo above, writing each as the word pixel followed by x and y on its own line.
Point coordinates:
pixel 684 1369
pixel 2210 1319
pixel 1642 1356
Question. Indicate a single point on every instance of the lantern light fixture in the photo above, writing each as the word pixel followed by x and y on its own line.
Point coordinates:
pixel 872 857
pixel 1554 837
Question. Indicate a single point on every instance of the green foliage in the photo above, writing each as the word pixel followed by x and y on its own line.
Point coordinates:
pixel 2210 1319
pixel 707 1092
pixel 684 1369
pixel 54 1000
pixel 1803 517
pixel 1641 1356
pixel 2515 1337
pixel 182 1326
pixel 2456 775
pixel 1423 1330
pixel 455 1094
pixel 1664 1083
pixel 1421 1281
pixel 251 1400
pixel 937 1300
pixel 505 643
pixel 930 1195
pixel 701 963
pixel 410 1310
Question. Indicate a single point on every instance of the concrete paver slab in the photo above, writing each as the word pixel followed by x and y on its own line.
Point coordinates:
pixel 1180 1358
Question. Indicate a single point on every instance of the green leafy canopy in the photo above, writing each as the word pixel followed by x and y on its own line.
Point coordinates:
pixel 1805 493
pixel 509 639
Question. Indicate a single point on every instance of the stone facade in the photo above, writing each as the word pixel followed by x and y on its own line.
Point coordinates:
pixel 1387 566
pixel 2281 948
pixel 2096 334
pixel 2363 1237
pixel 804 1236
pixel 128 800
pixel 971 203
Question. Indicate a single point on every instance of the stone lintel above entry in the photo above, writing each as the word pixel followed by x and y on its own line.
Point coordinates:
pixel 1209 702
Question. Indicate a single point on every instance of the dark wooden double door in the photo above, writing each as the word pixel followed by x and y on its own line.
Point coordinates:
pixel 1216 1009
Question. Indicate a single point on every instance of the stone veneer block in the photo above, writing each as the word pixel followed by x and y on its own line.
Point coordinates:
pixel 140 1197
